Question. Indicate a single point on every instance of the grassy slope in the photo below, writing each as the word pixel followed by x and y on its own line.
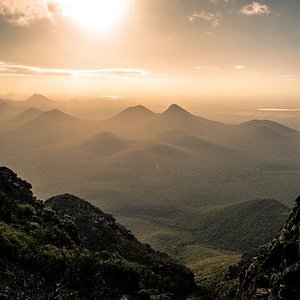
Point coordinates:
pixel 236 227
pixel 209 264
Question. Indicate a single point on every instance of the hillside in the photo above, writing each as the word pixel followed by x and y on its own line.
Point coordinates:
pixel 265 140
pixel 66 248
pixel 273 270
pixel 242 226
pixel 45 128
pixel 133 114
pixel 140 122
pixel 4 107
pixel 40 102
pixel 26 116
pixel 7 109
pixel 175 117
pixel 164 182
pixel 233 228
pixel 105 143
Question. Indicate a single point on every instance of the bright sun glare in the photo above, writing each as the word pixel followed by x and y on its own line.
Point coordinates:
pixel 94 14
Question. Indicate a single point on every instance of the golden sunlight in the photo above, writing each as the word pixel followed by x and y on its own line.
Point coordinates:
pixel 94 14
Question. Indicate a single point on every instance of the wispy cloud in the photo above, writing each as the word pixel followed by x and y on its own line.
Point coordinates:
pixel 213 18
pixel 279 109
pixel 248 70
pixel 240 67
pixel 287 76
pixel 216 1
pixel 18 69
pixel 204 68
pixel 27 12
pixel 255 9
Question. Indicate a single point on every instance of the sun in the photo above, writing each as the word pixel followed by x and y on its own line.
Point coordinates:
pixel 94 14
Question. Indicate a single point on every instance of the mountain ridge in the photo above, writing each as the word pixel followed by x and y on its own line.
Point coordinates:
pixel 66 248
pixel 272 271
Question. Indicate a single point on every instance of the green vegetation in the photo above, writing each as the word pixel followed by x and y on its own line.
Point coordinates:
pixel 238 227
pixel 271 271
pixel 174 179
pixel 72 250
pixel 209 264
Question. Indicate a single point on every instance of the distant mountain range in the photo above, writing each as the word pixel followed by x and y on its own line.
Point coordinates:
pixel 177 180
pixel 39 101
pixel 171 172
pixel 26 116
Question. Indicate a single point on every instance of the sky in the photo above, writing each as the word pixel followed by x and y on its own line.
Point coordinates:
pixel 150 48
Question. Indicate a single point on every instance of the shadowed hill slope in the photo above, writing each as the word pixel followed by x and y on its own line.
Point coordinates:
pixel 68 249
pixel 39 101
pixel 105 143
pixel 242 226
pixel 273 270
pixel 26 116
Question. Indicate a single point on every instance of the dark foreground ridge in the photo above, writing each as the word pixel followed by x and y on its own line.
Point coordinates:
pixel 65 248
pixel 273 270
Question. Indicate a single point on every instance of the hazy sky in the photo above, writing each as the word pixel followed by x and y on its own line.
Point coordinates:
pixel 170 48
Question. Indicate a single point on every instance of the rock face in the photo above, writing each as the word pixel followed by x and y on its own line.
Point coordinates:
pixel 272 271
pixel 68 249
pixel 100 233
pixel 15 187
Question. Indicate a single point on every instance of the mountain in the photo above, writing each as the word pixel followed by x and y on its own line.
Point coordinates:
pixel 7 111
pixel 176 110
pixel 235 228
pixel 65 248
pixel 163 182
pixel 3 104
pixel 26 116
pixel 267 131
pixel 241 226
pixel 267 124
pixel 140 122
pixel 134 114
pixel 273 270
pixel 40 102
pixel 55 116
pixel 105 143
pixel 48 128
pixel 265 140
pixel 5 108
pixel 175 117
pixel 193 143
pixel 53 122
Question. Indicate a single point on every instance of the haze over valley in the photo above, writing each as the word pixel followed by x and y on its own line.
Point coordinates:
pixel 163 174
pixel 149 150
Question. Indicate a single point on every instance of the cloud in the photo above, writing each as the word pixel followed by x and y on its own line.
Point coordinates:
pixel 27 12
pixel 18 69
pixel 204 68
pixel 240 67
pixel 255 9
pixel 216 1
pixel 287 76
pixel 213 18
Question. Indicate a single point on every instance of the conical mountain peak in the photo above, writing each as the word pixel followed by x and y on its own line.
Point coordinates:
pixel 175 109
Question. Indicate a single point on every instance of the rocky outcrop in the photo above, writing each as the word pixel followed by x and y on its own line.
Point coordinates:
pixel 68 249
pixel 100 233
pixel 14 186
pixel 272 271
